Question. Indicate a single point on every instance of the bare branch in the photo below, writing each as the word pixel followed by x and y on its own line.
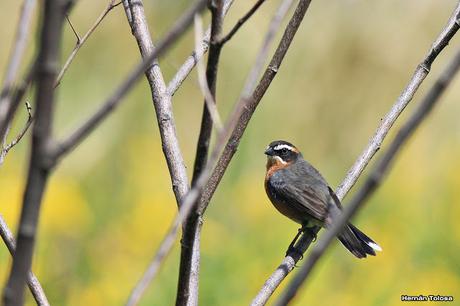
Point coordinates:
pixel 32 281
pixel 240 22
pixel 7 108
pixel 18 138
pixel 201 72
pixel 375 177
pixel 113 101
pixel 161 101
pixel 191 61
pixel 40 164
pixel 238 117
pixel 81 40
pixel 375 142
pixel 188 283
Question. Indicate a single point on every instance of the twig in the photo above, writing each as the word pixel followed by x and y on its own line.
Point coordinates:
pixel 240 22
pixel 32 281
pixel 373 146
pixel 113 101
pixel 7 108
pixel 201 72
pixel 21 134
pixel 81 40
pixel 375 177
pixel 191 61
pixel 239 116
pixel 39 165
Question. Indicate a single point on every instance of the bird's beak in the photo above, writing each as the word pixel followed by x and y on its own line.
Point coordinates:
pixel 269 151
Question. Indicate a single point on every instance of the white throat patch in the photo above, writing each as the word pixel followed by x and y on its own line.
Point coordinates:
pixel 280 160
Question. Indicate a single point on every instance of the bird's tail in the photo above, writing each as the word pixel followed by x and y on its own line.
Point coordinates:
pixel 358 243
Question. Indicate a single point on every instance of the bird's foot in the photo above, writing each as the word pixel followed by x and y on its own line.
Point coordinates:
pixel 294 252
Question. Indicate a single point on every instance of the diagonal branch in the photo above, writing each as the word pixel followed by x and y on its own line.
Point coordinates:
pixel 375 178
pixel 240 22
pixel 81 40
pixel 34 285
pixel 182 24
pixel 422 70
pixel 18 137
pixel 39 165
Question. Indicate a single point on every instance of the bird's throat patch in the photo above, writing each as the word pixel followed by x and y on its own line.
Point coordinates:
pixel 275 163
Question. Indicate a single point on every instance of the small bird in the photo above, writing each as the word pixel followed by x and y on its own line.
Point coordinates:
pixel 299 191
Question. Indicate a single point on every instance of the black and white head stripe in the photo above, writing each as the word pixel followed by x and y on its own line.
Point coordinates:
pixel 284 146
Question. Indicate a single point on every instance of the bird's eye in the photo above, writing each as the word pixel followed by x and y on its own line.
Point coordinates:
pixel 284 151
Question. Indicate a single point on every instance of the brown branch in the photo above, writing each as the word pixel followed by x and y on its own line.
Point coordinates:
pixel 18 138
pixel 39 166
pixel 7 108
pixel 288 263
pixel 239 117
pixel 240 22
pixel 32 281
pixel 114 100
pixel 81 40
pixel 375 178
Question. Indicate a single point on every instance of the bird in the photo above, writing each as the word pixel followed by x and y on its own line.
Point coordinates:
pixel 298 191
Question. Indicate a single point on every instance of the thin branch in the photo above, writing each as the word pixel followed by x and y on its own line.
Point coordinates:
pixel 193 58
pixel 81 40
pixel 201 72
pixel 240 22
pixel 217 19
pixel 39 165
pixel 7 108
pixel 32 281
pixel 21 134
pixel 288 263
pixel 113 101
pixel 375 177
pixel 73 29
pixel 239 116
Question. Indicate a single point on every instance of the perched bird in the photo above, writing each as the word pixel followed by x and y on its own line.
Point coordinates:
pixel 298 191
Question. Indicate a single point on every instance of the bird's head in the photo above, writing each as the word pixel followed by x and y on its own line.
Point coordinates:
pixel 281 153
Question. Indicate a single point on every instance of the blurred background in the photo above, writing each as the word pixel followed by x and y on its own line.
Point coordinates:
pixel 110 202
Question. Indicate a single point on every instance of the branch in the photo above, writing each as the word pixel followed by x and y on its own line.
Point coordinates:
pixel 182 24
pixel 238 118
pixel 82 40
pixel 288 263
pixel 7 108
pixel 375 177
pixel 217 18
pixel 18 138
pixel 194 58
pixel 39 166
pixel 240 22
pixel 32 281
pixel 189 267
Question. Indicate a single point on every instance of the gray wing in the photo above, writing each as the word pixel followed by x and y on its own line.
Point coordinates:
pixel 309 197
